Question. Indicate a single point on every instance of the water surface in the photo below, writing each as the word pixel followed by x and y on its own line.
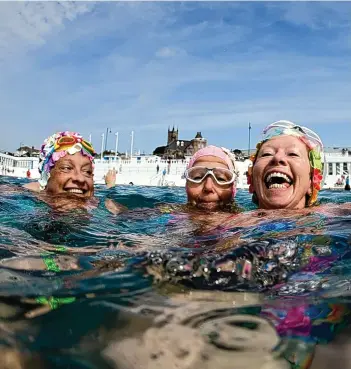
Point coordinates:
pixel 85 288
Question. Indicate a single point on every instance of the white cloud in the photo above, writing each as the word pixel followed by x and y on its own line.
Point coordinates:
pixel 146 66
pixel 169 52
pixel 316 15
pixel 26 25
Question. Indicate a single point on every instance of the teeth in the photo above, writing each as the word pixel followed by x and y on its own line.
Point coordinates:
pixel 276 185
pixel 75 190
pixel 277 174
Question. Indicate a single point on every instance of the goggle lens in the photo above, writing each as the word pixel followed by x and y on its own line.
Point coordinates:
pixel 221 175
pixel 66 141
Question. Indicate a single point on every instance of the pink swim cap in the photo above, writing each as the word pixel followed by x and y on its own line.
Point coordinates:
pixel 218 152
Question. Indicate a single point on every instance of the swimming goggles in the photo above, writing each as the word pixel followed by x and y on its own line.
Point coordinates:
pixel 271 131
pixel 67 141
pixel 222 176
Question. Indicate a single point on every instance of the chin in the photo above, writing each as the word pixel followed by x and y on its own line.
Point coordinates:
pixel 208 205
pixel 274 204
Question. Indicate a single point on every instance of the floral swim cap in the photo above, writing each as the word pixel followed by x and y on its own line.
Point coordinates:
pixel 309 138
pixel 57 146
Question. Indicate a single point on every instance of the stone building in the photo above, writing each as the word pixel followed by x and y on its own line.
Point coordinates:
pixel 177 148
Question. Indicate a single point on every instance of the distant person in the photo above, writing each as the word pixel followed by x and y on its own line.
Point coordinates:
pixel 347 183
pixel 157 168
pixel 164 172
pixel 28 174
pixel 169 167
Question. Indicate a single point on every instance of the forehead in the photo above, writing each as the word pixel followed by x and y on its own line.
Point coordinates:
pixel 77 158
pixel 285 142
pixel 210 162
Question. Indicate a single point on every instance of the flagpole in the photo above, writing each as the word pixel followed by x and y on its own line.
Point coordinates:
pixel 116 134
pixel 102 145
pixel 249 151
pixel 131 145
pixel 108 130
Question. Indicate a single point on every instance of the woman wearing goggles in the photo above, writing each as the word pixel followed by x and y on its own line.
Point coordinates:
pixel 222 176
pixel 210 179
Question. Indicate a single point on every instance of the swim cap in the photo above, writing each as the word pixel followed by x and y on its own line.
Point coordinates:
pixel 57 146
pixel 218 152
pixel 309 138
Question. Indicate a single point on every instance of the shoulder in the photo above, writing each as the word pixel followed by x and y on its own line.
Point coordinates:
pixel 33 186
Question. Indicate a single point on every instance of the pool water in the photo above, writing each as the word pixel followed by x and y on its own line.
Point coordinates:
pixel 161 286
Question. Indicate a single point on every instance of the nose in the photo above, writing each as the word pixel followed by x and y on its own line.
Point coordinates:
pixel 279 158
pixel 208 184
pixel 78 176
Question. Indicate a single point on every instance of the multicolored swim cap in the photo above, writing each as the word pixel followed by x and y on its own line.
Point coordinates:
pixel 309 138
pixel 56 147
pixel 219 152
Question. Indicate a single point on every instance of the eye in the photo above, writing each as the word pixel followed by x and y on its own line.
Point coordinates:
pixel 293 154
pixel 221 179
pixel 266 154
pixel 66 168
pixel 197 177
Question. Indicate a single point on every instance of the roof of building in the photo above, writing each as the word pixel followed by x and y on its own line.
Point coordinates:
pixel 174 146
pixel 159 150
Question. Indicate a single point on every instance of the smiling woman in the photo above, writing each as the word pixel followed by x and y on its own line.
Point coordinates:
pixel 66 166
pixel 210 179
pixel 287 167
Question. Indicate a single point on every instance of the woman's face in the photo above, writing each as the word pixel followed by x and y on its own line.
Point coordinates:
pixel 281 174
pixel 209 194
pixel 72 174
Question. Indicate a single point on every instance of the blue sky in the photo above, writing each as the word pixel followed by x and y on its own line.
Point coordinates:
pixel 200 66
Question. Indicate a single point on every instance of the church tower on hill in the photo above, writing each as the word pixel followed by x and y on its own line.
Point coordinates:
pixel 172 135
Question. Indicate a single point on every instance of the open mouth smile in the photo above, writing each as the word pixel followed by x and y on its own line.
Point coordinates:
pixel 77 191
pixel 278 180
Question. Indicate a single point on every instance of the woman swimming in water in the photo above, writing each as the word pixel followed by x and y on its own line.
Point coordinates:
pixel 66 167
pixel 211 179
pixel 287 168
